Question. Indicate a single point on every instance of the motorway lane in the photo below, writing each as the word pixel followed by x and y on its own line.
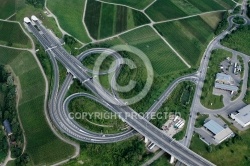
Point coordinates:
pixel 141 125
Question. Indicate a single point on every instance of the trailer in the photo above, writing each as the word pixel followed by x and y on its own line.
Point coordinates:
pixel 181 125
pixel 177 124
pixel 176 118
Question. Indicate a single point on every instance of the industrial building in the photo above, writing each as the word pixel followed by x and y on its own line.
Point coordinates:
pixel 231 88
pixel 220 133
pixel 222 78
pixel 242 116
pixel 225 82
pixel 7 127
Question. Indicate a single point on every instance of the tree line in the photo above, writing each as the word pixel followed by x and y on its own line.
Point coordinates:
pixel 8 111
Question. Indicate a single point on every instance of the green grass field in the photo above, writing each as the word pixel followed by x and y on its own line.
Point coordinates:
pixel 233 152
pixel 11 34
pixel 104 20
pixel 190 38
pixel 43 146
pixel 165 10
pixel 70 17
pixel 98 122
pixel 133 3
pixel 207 98
pixel 200 120
pixel 7 8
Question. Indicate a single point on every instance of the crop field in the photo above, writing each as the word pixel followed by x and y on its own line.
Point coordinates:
pixel 227 4
pixel 11 34
pixel 190 39
pixel 133 3
pixel 163 59
pixel 7 8
pixel 213 19
pixel 205 5
pixel 43 146
pixel 104 20
pixel 164 10
pixel 70 17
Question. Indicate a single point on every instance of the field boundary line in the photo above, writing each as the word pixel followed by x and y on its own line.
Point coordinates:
pixel 118 4
pixel 10 16
pixel 181 18
pixel 58 25
pixel 117 35
pixel 183 60
pixel 142 11
pixel 149 5
pixel 83 21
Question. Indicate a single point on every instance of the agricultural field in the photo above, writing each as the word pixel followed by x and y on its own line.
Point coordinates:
pixel 70 17
pixel 7 8
pixel 238 40
pixel 163 59
pixel 43 146
pixel 207 98
pixel 165 10
pixel 233 152
pixel 11 34
pixel 190 38
pixel 133 3
pixel 128 152
pixel 104 20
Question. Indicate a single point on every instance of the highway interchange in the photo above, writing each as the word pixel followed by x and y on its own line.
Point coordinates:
pixel 58 105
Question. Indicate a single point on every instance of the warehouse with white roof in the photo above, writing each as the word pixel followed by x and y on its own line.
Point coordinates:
pixel 242 116
pixel 219 133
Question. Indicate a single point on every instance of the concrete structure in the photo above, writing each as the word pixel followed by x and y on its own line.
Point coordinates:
pixel 231 88
pixel 219 133
pixel 242 116
pixel 7 127
pixel 26 20
pixel 224 79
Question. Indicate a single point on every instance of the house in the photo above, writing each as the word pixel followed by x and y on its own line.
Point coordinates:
pixel 7 127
